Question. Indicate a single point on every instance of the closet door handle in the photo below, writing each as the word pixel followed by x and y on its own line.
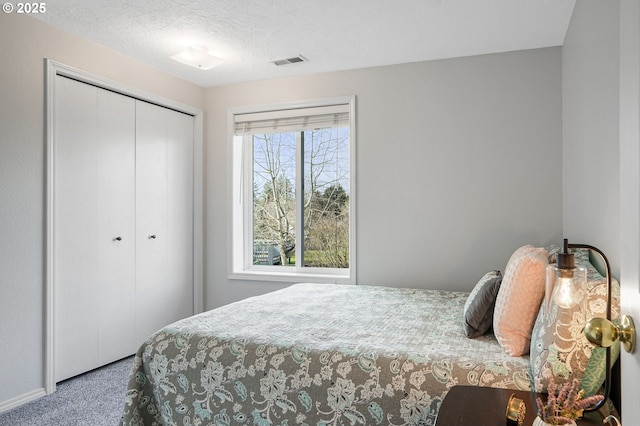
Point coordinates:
pixel 117 239
pixel 152 237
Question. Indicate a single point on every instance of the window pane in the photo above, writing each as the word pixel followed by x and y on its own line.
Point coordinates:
pixel 274 206
pixel 292 192
pixel 326 197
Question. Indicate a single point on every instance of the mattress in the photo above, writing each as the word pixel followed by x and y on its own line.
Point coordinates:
pixel 316 354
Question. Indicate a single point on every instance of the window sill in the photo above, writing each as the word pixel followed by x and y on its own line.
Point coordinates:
pixel 293 277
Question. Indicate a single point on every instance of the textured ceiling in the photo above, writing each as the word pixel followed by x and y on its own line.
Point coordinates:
pixel 331 34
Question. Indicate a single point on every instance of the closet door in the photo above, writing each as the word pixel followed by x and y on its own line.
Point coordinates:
pixel 116 218
pixel 94 236
pixel 164 217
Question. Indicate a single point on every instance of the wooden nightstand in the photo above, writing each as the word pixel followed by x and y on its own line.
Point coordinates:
pixel 478 406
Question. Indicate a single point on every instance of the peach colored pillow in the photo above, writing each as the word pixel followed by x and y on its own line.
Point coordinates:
pixel 519 299
pixel 521 251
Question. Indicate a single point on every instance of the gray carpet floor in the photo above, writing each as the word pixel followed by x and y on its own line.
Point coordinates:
pixel 95 398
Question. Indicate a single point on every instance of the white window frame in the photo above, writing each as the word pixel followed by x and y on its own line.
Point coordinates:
pixel 240 264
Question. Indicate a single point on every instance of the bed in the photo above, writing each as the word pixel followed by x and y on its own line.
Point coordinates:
pixel 317 354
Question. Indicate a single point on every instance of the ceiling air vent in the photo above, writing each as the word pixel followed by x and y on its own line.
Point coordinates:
pixel 289 61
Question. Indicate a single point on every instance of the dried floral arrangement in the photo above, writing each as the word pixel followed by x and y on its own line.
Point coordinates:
pixel 567 406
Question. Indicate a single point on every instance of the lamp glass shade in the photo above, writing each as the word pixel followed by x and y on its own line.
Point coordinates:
pixel 565 287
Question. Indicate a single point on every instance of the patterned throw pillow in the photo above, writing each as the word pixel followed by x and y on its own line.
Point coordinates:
pixel 478 309
pixel 519 299
pixel 559 347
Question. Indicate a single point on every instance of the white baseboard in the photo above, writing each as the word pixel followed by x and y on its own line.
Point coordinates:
pixel 22 399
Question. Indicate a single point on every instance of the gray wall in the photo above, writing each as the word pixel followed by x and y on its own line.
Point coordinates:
pixel 24 43
pixel 591 152
pixel 459 163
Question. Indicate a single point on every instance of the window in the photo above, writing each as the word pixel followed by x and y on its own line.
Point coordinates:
pixel 293 192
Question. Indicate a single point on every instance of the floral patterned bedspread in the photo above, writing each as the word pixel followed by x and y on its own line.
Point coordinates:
pixel 316 354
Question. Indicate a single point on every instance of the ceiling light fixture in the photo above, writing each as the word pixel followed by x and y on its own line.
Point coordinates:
pixel 198 57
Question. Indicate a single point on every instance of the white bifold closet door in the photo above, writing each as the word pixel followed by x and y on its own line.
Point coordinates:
pixel 123 224
pixel 94 231
pixel 164 217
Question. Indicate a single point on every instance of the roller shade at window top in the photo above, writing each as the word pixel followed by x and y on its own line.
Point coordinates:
pixel 293 120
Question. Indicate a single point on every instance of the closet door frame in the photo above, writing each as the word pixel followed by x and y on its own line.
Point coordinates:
pixel 52 70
